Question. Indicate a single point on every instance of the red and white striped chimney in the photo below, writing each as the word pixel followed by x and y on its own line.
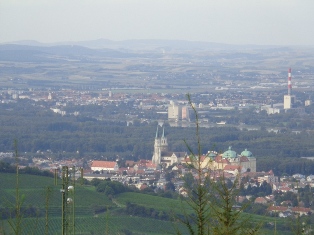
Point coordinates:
pixel 289 82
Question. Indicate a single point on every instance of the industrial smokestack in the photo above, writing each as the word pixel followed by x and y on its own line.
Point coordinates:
pixel 289 81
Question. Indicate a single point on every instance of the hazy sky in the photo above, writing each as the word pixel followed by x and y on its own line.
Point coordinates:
pixel 280 22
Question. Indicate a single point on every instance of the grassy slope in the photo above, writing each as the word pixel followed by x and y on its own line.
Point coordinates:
pixel 33 187
pixel 171 205
pixel 101 225
pixel 34 190
pixel 159 203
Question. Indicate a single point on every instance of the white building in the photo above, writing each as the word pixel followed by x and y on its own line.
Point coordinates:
pixel 288 101
pixel 105 166
pixel 174 112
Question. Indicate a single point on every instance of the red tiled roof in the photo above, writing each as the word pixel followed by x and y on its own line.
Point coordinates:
pixel 240 198
pixel 218 158
pixel 232 168
pixel 260 200
pixel 225 161
pixel 130 163
pixel 301 209
pixel 151 165
pixel 140 172
pixel 104 164
pixel 121 169
pixel 203 157
pixel 284 189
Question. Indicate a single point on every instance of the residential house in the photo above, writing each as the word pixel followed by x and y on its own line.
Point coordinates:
pixel 260 200
pixel 301 210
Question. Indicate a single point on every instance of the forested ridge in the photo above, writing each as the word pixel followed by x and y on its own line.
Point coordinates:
pixel 37 128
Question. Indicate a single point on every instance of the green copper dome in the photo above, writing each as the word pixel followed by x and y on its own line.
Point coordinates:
pixel 246 153
pixel 229 153
pixel 212 155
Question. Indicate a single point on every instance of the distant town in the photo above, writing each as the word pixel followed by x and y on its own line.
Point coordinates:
pixel 119 116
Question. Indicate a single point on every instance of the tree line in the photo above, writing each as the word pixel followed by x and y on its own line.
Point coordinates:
pixel 39 129
pixel 6 167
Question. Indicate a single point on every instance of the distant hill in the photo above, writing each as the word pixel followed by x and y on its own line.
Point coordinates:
pixel 33 51
pixel 147 44
pixel 30 53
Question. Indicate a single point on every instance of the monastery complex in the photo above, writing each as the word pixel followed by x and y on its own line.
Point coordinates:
pixel 227 161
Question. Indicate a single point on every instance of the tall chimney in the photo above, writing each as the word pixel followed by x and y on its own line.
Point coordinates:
pixel 289 81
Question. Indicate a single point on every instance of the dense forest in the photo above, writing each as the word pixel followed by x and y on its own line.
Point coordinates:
pixel 38 129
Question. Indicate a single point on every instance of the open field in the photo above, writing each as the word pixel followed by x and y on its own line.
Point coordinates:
pixel 150 71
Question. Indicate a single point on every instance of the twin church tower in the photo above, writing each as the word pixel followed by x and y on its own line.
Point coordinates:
pixel 160 147
pixel 162 155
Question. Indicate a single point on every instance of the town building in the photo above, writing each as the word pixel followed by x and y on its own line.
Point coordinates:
pixel 185 113
pixel 295 210
pixel 109 166
pixel 288 101
pixel 268 177
pixel 175 112
pixel 229 161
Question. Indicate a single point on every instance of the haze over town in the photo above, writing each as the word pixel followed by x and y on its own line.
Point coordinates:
pixel 268 22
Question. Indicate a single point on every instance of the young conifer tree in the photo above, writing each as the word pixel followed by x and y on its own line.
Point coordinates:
pixel 15 221
pixel 212 200
pixel 17 213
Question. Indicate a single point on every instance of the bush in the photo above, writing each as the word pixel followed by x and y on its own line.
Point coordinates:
pixel 110 187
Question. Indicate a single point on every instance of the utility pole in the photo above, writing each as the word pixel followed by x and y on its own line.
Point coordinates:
pixel 68 199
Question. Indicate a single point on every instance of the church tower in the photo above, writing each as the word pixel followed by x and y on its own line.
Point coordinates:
pixel 157 151
pixel 160 146
pixel 163 142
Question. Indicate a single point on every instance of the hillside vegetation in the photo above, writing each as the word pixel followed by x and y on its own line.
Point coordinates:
pixel 95 213
pixel 90 208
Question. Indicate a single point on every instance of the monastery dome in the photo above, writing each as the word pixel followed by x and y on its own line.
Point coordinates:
pixel 212 154
pixel 246 153
pixel 229 153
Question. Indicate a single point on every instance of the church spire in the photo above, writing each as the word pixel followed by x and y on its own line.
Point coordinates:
pixel 156 133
